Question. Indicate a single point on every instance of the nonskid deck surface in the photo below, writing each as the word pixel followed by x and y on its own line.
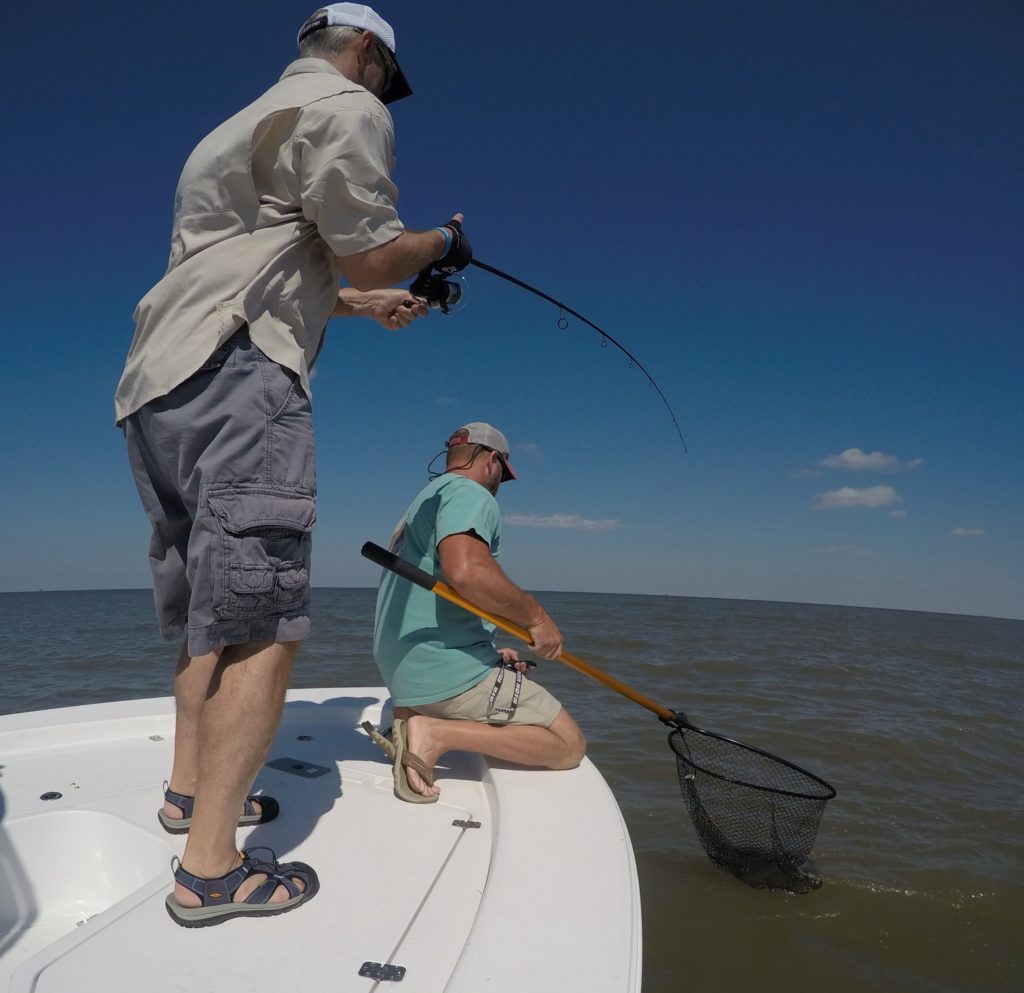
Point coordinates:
pixel 515 880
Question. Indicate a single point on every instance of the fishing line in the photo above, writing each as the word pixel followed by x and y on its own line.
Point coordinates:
pixel 605 336
pixel 445 294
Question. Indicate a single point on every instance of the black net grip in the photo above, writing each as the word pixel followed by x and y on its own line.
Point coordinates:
pixel 388 560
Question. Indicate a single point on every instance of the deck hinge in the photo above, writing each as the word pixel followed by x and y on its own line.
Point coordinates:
pixel 383 973
pixel 465 824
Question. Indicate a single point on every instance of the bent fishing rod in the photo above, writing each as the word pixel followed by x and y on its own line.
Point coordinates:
pixel 444 294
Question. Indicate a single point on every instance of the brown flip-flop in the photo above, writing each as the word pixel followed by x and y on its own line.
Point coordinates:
pixel 409 760
pixel 378 739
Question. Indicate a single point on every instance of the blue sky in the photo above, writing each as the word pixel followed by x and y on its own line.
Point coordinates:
pixel 804 218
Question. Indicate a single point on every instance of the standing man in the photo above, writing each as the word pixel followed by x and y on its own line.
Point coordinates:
pixel 272 206
pixel 450 687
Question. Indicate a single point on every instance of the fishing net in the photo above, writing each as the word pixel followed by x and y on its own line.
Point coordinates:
pixel 756 815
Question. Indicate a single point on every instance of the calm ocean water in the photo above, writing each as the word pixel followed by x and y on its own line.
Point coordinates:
pixel 915 718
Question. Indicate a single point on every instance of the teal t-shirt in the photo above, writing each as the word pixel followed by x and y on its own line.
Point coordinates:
pixel 426 648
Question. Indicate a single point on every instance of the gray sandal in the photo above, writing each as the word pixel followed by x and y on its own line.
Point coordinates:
pixel 217 895
pixel 269 809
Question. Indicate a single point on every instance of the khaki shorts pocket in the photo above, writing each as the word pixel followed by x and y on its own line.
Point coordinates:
pixel 261 550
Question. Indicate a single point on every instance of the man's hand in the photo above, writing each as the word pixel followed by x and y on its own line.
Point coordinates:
pixel 396 309
pixel 547 639
pixel 391 309
pixel 402 257
pixel 459 252
pixel 510 657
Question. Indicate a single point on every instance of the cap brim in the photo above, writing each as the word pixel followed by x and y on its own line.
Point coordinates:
pixel 399 86
pixel 506 467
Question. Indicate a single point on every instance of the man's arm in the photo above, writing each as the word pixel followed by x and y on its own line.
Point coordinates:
pixel 392 262
pixel 406 255
pixel 391 309
pixel 469 568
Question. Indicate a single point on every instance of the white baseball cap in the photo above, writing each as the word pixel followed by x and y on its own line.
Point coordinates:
pixel 479 433
pixel 358 15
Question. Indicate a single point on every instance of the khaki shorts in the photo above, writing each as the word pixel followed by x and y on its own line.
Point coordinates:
pixel 535 705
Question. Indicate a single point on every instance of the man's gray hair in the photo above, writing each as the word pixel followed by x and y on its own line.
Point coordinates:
pixel 327 42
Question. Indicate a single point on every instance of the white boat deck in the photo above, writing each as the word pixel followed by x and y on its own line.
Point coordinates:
pixel 541 896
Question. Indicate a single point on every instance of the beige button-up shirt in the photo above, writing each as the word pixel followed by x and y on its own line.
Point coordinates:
pixel 264 205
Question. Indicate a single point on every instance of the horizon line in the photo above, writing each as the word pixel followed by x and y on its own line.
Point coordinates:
pixel 675 596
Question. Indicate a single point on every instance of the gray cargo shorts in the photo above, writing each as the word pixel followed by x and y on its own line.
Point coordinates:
pixel 226 469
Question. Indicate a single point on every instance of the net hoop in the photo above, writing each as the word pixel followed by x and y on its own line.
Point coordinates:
pixel 828 793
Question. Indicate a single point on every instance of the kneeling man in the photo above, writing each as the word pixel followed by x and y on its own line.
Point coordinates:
pixel 450 687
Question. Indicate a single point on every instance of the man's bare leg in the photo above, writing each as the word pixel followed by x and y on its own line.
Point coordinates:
pixel 560 746
pixel 192 679
pixel 191 684
pixel 239 717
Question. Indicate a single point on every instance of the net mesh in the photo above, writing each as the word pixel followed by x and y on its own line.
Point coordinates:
pixel 756 815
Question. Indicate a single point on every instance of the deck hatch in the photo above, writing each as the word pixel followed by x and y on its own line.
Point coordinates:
pixel 296 767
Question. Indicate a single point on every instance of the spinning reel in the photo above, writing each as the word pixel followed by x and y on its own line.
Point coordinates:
pixel 440 292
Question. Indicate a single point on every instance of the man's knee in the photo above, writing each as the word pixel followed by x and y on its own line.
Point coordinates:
pixel 574 752
pixel 574 745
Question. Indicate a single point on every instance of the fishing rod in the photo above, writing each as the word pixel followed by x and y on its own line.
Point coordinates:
pixel 443 294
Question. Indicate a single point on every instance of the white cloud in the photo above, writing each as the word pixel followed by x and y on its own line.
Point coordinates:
pixel 851 496
pixel 562 522
pixel 897 513
pixel 444 401
pixel 967 532
pixel 528 447
pixel 855 459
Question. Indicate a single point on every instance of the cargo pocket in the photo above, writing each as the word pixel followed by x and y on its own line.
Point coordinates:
pixel 260 560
